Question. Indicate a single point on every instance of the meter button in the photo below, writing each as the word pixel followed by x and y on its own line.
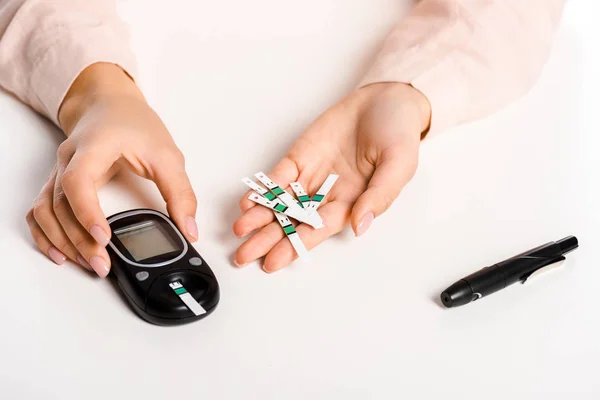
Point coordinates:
pixel 195 261
pixel 142 275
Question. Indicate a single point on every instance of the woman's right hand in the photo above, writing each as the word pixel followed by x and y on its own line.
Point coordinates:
pixel 109 126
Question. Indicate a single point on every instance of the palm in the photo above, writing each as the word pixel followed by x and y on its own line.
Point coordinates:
pixel 313 157
pixel 338 142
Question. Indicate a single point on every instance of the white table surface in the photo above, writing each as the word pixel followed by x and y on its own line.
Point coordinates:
pixel 235 82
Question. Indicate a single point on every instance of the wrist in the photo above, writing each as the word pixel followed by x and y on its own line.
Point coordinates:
pixel 96 82
pixel 407 97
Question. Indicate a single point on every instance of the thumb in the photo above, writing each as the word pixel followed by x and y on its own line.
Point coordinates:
pixel 394 168
pixel 175 187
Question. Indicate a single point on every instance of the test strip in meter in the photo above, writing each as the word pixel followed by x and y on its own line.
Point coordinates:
pixel 322 192
pixel 313 220
pixel 287 198
pixel 187 298
pixel 293 236
pixel 303 197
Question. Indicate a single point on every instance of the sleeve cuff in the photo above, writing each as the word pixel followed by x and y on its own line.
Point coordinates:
pixel 420 52
pixel 74 51
pixel 434 86
pixel 469 59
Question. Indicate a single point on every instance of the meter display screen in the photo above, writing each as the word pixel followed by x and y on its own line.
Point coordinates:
pixel 146 240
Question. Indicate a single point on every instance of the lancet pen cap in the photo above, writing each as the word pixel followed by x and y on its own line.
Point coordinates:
pixel 458 294
pixel 568 244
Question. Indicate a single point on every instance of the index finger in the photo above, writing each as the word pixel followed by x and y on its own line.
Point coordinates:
pixel 78 182
pixel 172 181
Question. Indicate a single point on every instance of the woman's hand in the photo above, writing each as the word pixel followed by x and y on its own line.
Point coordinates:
pixel 109 126
pixel 371 139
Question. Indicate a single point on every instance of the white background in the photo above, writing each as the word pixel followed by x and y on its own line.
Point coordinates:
pixel 235 82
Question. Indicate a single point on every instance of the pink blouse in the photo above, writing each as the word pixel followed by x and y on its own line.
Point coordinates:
pixel 468 57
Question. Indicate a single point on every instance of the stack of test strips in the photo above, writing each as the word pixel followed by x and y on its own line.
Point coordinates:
pixel 284 205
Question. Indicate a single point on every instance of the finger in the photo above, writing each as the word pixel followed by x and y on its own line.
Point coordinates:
pixel 335 217
pixel 285 172
pixel 246 204
pixel 394 169
pixel 92 252
pixel 259 244
pixel 77 182
pixel 253 219
pixel 42 241
pixel 42 217
pixel 175 187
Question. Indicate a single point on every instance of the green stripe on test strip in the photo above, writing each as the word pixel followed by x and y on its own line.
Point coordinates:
pixel 280 207
pixel 318 197
pixel 270 196
pixel 277 190
pixel 303 199
pixel 289 229
pixel 180 290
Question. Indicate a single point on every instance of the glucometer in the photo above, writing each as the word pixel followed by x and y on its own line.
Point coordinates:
pixel 160 273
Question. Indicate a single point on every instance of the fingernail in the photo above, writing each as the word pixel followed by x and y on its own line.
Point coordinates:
pixel 267 270
pixel 238 264
pixel 99 234
pixel 364 224
pixel 56 255
pixel 84 263
pixel 191 227
pixel 99 266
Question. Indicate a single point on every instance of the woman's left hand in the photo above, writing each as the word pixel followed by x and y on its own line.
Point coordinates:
pixel 371 139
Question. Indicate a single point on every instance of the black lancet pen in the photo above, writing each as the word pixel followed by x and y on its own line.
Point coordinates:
pixel 498 276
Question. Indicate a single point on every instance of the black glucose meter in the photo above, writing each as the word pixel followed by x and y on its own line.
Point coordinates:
pixel 160 273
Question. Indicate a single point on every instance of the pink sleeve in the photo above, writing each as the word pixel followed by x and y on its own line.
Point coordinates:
pixel 468 57
pixel 44 45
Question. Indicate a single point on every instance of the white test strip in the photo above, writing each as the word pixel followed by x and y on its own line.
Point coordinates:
pixel 187 298
pixel 293 236
pixel 303 197
pixel 282 219
pixel 296 211
pixel 268 195
pixel 313 220
pixel 258 189
pixel 316 200
pixel 287 198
